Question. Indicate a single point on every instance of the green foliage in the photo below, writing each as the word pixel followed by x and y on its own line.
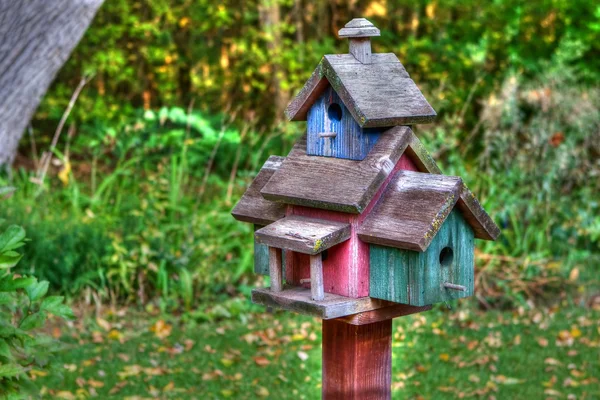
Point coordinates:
pixel 253 55
pixel 24 309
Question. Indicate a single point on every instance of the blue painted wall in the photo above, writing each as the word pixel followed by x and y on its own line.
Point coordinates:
pixel 328 114
pixel 411 277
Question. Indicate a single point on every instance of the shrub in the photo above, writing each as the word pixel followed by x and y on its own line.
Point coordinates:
pixel 24 308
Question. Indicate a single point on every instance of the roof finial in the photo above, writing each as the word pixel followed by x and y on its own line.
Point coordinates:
pixel 359 31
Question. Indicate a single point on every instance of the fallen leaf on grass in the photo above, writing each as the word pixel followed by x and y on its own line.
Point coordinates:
pixel 115 389
pixel 262 391
pixel 302 355
pixel 504 380
pixel 542 341
pixel 444 357
pixel 552 361
pixel 104 324
pixel 161 329
pixel 261 361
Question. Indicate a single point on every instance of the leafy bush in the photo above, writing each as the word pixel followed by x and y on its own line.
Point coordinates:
pixel 24 308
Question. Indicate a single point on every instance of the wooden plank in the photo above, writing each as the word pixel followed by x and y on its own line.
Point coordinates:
pixel 316 277
pixel 332 183
pixel 421 157
pixel 275 269
pixel 361 49
pixel 299 300
pixel 418 279
pixel 304 235
pixel 337 137
pixel 483 225
pixel 357 361
pixel 261 256
pixel 382 314
pixel 411 211
pixel 358 28
pixel 253 207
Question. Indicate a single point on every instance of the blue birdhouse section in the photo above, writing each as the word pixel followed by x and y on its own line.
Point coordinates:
pixel 333 132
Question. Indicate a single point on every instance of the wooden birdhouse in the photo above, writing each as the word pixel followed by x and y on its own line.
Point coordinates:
pixel 358 216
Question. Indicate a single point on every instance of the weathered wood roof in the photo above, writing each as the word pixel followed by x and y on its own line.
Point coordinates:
pixel 304 235
pixel 379 94
pixel 334 183
pixel 253 207
pixel 413 208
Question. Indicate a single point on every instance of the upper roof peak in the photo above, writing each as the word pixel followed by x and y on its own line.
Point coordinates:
pixel 359 27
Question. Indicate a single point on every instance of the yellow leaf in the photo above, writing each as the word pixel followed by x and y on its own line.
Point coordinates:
pixel 115 335
pixel 170 386
pixel 227 393
pixel 95 384
pixel 37 372
pixel 226 362
pixel 161 329
pixel 63 175
pixel 63 394
pixel 183 22
pixel 104 324
pixel 262 391
pixel 444 357
pixel 575 332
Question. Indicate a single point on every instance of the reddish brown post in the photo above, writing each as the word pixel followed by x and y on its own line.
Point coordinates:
pixel 357 360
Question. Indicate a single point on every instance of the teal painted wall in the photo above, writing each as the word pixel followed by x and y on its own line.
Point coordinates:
pixel 261 257
pixel 411 277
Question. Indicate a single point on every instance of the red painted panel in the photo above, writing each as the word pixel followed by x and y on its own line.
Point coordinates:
pixel 346 269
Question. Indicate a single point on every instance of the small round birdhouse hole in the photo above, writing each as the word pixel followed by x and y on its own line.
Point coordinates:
pixel 334 111
pixel 446 257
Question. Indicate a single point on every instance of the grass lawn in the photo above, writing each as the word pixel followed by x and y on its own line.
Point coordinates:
pixel 438 354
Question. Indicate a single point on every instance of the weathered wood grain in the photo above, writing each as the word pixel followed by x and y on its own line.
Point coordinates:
pixel 304 235
pixel 332 183
pixel 253 207
pixel 261 256
pixel 316 277
pixel 360 48
pixel 484 226
pixel 346 268
pixel 357 361
pixel 359 28
pixel 382 314
pixel 275 269
pixel 339 138
pixel 411 211
pixel 415 278
pixel 379 94
pixel 299 300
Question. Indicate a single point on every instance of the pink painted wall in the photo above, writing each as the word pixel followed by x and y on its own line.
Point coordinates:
pixel 346 269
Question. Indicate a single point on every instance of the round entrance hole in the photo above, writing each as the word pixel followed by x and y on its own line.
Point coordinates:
pixel 334 112
pixel 446 256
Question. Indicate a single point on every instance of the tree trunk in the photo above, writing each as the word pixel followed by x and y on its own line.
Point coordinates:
pixel 36 38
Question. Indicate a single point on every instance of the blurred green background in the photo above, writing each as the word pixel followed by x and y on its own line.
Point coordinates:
pixel 184 102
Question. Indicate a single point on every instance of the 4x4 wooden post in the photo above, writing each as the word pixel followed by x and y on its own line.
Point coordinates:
pixel 357 360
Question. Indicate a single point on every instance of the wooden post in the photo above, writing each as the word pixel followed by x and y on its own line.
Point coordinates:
pixel 316 277
pixel 357 360
pixel 275 269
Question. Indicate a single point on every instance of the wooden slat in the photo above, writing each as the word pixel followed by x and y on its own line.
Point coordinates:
pixel 253 207
pixel 304 235
pixel 299 300
pixel 336 184
pixel 383 314
pixel 342 138
pixel 275 269
pixel 411 211
pixel 415 278
pixel 357 361
pixel 316 277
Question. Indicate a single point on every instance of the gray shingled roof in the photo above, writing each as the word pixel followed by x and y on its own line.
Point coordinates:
pixel 380 94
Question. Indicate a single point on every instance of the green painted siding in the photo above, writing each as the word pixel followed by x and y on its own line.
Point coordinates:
pixel 261 257
pixel 415 278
